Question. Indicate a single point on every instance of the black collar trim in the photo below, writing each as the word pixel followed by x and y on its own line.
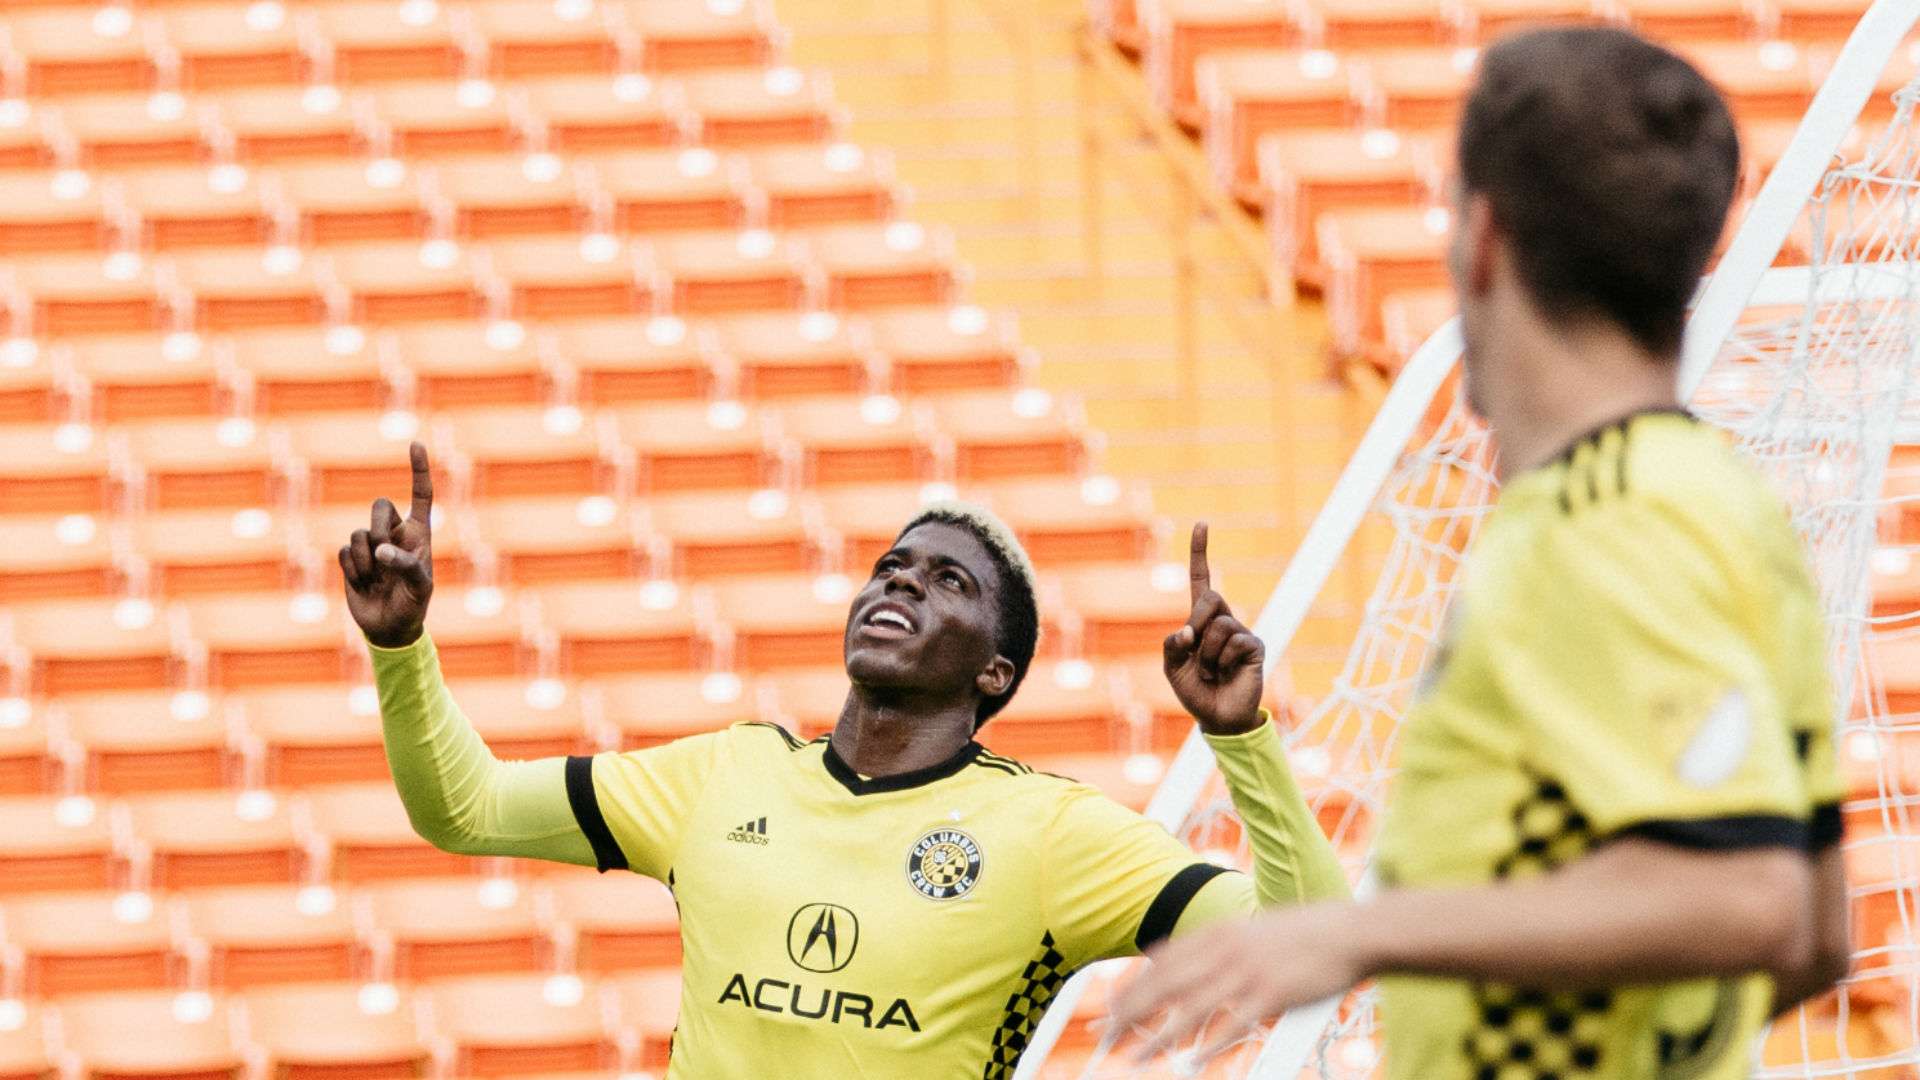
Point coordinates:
pixel 1621 422
pixel 841 771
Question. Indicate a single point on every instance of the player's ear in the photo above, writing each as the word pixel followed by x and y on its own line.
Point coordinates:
pixel 1479 237
pixel 995 678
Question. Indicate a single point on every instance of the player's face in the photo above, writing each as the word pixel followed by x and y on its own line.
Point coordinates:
pixel 927 618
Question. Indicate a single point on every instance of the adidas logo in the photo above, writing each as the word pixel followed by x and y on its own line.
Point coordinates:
pixel 753 832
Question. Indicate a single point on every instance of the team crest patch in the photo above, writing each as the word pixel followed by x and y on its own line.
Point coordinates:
pixel 944 864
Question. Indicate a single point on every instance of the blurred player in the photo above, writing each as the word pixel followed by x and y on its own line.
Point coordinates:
pixel 1612 846
pixel 891 900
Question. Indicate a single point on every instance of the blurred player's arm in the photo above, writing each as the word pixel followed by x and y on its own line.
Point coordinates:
pixel 1831 951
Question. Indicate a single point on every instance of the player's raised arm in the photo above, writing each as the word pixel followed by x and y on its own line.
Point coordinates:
pixel 389 564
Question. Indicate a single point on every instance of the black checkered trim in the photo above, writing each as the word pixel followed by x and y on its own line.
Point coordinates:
pixel 1548 832
pixel 1028 1002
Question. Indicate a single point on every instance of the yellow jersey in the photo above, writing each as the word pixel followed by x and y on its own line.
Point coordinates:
pixel 1636 649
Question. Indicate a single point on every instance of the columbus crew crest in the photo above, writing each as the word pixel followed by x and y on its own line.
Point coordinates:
pixel 944 864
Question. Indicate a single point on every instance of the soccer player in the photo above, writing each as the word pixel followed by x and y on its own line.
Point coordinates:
pixel 890 900
pixel 1611 851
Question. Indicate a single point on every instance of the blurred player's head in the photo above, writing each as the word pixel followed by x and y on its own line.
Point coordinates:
pixel 948 613
pixel 1595 174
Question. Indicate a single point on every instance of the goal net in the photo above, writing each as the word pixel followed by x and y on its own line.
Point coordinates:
pixel 1803 346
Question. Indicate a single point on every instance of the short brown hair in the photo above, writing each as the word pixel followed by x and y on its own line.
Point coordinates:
pixel 1610 163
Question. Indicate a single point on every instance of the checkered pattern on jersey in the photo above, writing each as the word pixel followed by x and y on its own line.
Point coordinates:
pixel 1038 983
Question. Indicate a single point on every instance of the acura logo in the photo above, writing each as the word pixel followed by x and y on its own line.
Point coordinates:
pixel 821 937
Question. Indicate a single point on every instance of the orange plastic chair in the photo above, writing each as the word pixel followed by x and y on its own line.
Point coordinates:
pixel 1052 714
pixel 258 935
pixel 31 390
pixel 871 266
pixel 1303 174
pixel 506 1025
pixel 615 626
pixel 369 41
pixel 326 1031
pixel 1770 84
pixel 1125 610
pixel 650 1003
pixel 482 630
pixel 446 117
pixel 86 645
pixel 340 201
pixel 1815 20
pixel 273 637
pixel 784 621
pixel 1409 318
pixel 47 211
pixel 655 708
pixel 407 282
pixel 248 287
pixel 519 451
pixel 502 196
pixel 1249 95
pixel 86 942
pixel 42 557
pixel 597 112
pixel 1107 772
pixel 150 740
pixel 211 551
pixel 368 835
pixel 114 131
pixel 1063 520
pixel 1372 24
pixel 27 1051
pixel 231 45
pixel 633 358
pixel 445 927
pixel 147 375
pixel 1179 32
pixel 868 518
pixel 29 764
pixel 845 441
pixel 827 185
pixel 309 369
pixel 930 350
pixel 53 843
pixel 568 277
pixel 793 353
pixel 655 190
pixel 1493 19
pixel 679 36
pixel 26 145
pixel 535 37
pixel 205 463
pixel 74 50
pixel 760 106
pixel 192 206
pixel 1417 89
pixel 1168 722
pixel 348 460
pixel 289 123
pixel 712 273
pixel 808 701
pixel 541 540
pixel 88 294
pixel 1691 20
pixel 464 363
pixel 622 921
pixel 153 1035
pixel 723 533
pixel 218 838
pixel 524 720
pixel 315 734
pixel 1369 254
pixel 999 435
pixel 692 447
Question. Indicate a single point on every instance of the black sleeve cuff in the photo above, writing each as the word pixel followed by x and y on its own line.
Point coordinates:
pixel 1167 907
pixel 586 810
pixel 1725 833
pixel 1825 828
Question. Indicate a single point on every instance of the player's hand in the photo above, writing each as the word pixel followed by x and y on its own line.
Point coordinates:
pixel 1224 982
pixel 389 564
pixel 1215 664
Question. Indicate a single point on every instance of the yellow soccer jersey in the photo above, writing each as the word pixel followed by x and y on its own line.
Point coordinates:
pixel 911 926
pixel 1636 649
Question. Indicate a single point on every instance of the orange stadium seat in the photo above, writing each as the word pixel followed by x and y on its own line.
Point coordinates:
pixel 843 440
pixel 289 123
pixel 354 458
pixel 147 375
pixel 1125 610
pixel 681 36
pixel 443 927
pixel 53 211
pixel 655 190
pixel 205 463
pixel 50 843
pixel 86 294
pixel 256 638
pixel 218 838
pixel 1063 520
pixel 619 626
pixel 808 701
pixel 720 272
pixel 113 131
pixel 634 358
pixel 30 389
pixel 27 1050
pixel 792 620
pixel 655 708
pixel 370 41
pixel 24 142
pixel 537 37
pixel 1370 254
pixel 458 363
pixel 501 196
pixel 997 435
pixel 84 645
pixel 866 519
pixel 78 50
pixel 689 447
pixel 558 538
pixel 566 277
pixel 731 532
pixel 1179 32
pixel 308 369
pixel 50 556
pixel 526 719
pixel 455 559
pixel 234 45
pixel 873 265
pixel 443 117
pixel 1759 81
pixel 596 112
pixel 325 1031
pixel 1691 20
pixel 1249 96
pixel 204 551
pixel 788 353
pixel 29 761
pixel 405 282
pixel 248 287
pixel 945 348
pixel 760 107
pixel 1371 24
pixel 343 201
pixel 150 740
pixel 1417 89
pixel 650 1002
pixel 1409 318
pixel 368 836
pixel 1059 710
pixel 824 185
pixel 1303 174
pixel 1168 722
pixel 320 734
pixel 153 1035
pixel 190 206
pixel 86 942
pixel 622 921
pixel 1492 19
pixel 266 934
pixel 482 630
pixel 1815 20
pixel 504 1025
pixel 529 451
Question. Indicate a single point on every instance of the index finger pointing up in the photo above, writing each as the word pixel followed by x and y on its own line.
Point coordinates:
pixel 422 508
pixel 1197 569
